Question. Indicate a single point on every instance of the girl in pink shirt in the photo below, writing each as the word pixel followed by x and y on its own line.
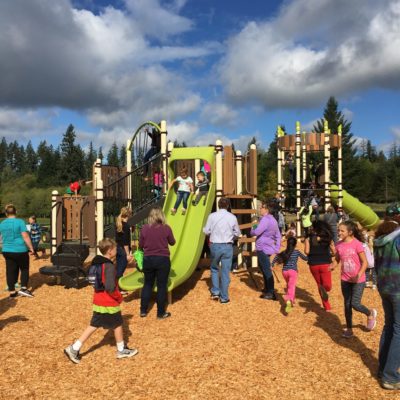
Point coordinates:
pixel 351 256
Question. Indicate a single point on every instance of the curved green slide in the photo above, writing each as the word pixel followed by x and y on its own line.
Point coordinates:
pixel 357 210
pixel 187 229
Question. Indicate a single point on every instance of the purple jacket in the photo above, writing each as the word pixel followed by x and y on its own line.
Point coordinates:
pixel 268 235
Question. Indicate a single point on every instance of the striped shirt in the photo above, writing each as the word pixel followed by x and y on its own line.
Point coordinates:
pixel 292 262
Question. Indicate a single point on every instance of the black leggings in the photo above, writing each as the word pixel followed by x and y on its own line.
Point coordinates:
pixel 16 262
pixel 352 293
pixel 155 269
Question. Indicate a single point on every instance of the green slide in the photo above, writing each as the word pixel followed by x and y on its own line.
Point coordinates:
pixel 187 229
pixel 357 210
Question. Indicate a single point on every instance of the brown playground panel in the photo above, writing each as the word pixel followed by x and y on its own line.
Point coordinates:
pixel 313 141
pixel 245 349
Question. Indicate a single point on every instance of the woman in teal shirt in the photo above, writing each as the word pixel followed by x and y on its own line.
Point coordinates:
pixel 16 243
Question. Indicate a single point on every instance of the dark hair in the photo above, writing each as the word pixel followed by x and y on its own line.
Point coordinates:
pixel 224 203
pixel 388 225
pixel 10 209
pixel 352 227
pixel 323 231
pixel 283 256
pixel 201 173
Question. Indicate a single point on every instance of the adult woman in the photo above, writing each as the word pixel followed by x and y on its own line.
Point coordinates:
pixel 154 239
pixel 320 248
pixel 268 242
pixel 123 239
pixel 16 243
pixel 387 264
pixel 332 220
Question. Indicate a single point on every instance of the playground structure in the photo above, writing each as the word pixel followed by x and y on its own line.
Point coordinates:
pixel 79 222
pixel 299 145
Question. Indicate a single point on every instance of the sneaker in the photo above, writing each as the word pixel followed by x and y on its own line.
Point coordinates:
pixel 390 386
pixel 164 316
pixel 368 284
pixel 143 314
pixel 173 211
pixel 126 353
pixel 288 307
pixel 194 202
pixel 373 287
pixel 25 293
pixel 224 301
pixel 268 296
pixel 183 211
pixel 17 285
pixel 347 334
pixel 324 293
pixel 14 295
pixel 124 292
pixel 371 321
pixel 72 354
pixel 214 296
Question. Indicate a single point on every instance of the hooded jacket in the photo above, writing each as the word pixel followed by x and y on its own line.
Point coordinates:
pixel 387 262
pixel 111 296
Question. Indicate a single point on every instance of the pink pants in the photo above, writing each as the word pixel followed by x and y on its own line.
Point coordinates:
pixel 290 276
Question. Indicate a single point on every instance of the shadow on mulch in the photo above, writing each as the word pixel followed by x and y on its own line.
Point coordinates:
pixel 109 339
pixel 11 320
pixel 330 323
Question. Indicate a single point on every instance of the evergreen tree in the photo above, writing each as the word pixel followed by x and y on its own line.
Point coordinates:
pixel 72 157
pixel 31 159
pixel 113 156
pixel 100 153
pixel 336 118
pixel 47 169
pixel 122 156
pixel 91 157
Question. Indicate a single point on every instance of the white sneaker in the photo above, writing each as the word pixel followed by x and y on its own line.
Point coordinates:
pixel 25 293
pixel 125 353
pixel 72 354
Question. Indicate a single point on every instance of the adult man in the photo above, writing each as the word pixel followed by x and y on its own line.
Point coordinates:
pixel 223 228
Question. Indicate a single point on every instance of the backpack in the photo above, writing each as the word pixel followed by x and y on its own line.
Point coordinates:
pixel 95 277
pixel 369 256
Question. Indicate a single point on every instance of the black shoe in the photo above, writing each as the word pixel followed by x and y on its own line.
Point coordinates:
pixel 14 295
pixel 143 314
pixel 164 316
pixel 268 296
pixel 214 296
pixel 25 292
pixel 194 203
pixel 224 301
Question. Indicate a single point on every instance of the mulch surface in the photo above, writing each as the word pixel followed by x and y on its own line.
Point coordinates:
pixel 248 348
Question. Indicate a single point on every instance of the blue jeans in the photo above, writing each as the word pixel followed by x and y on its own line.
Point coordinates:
pixel 389 348
pixel 265 265
pixel 181 195
pixel 221 252
pixel 122 261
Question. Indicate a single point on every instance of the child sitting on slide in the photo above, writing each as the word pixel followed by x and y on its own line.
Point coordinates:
pixel 202 186
pixel 184 189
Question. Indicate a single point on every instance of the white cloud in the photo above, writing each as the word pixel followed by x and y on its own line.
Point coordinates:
pixel 302 56
pixel 219 114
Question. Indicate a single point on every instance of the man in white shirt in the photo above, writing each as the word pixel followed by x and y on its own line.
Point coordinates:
pixel 223 229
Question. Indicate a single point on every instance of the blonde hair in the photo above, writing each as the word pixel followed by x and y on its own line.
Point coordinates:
pixel 156 216
pixel 125 212
pixel 10 209
pixel 106 244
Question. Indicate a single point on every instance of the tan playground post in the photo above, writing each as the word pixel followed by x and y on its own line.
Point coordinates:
pixel 218 171
pixel 129 168
pixel 54 212
pixel 99 202
pixel 239 172
pixel 164 152
pixel 327 159
pixel 253 186
pixel 340 170
pixel 298 180
pixel 304 156
pixel 280 154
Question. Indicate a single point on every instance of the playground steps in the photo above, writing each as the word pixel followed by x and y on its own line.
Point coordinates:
pixel 247 225
pixel 143 213
pixel 247 240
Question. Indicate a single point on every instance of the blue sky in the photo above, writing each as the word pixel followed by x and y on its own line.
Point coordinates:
pixel 213 69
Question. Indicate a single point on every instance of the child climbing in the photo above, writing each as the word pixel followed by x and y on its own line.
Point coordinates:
pixel 305 215
pixel 351 255
pixel 158 181
pixel 106 305
pixel 184 189
pixel 289 258
pixel 202 186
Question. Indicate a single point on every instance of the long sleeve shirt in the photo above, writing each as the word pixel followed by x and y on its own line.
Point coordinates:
pixel 222 226
pixel 268 235
pixel 292 262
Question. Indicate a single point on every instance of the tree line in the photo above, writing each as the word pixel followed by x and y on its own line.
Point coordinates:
pixel 29 175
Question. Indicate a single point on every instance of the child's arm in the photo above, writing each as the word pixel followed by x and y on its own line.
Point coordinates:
pixel 307 246
pixel 364 265
pixel 303 256
pixel 172 183
pixel 274 261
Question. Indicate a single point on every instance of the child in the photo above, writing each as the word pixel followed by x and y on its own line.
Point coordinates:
pixel 305 215
pixel 35 234
pixel 158 181
pixel 106 305
pixel 184 189
pixel 291 232
pixel 368 248
pixel 351 255
pixel 289 258
pixel 203 186
pixel 74 188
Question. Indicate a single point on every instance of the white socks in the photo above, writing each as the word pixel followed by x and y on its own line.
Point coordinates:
pixel 77 345
pixel 120 346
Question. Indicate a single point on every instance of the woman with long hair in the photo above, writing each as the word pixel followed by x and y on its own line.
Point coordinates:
pixel 320 249
pixel 154 239
pixel 123 239
pixel 387 264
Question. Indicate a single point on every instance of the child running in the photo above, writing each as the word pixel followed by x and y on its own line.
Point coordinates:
pixel 351 255
pixel 289 259
pixel 184 189
pixel 202 186
pixel 106 305
pixel 35 234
